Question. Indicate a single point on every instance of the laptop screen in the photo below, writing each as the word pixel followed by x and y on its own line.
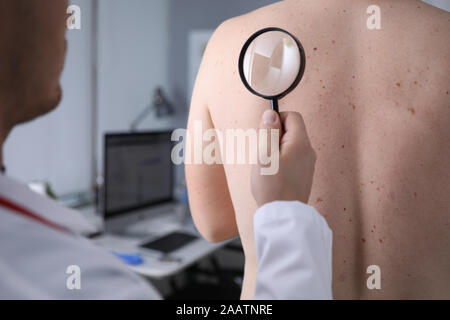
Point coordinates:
pixel 138 171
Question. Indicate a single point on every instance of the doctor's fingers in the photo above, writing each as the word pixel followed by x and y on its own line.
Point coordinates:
pixel 271 124
pixel 295 134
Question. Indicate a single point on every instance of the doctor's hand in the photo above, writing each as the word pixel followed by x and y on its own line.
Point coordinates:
pixel 297 160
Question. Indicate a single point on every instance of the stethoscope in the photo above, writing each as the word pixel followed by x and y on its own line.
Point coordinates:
pixel 31 215
pixel 28 213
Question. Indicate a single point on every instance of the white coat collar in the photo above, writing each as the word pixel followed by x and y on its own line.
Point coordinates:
pixel 46 208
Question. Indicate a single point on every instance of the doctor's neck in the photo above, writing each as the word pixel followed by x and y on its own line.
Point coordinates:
pixel 4 131
pixel 3 136
pixel 2 140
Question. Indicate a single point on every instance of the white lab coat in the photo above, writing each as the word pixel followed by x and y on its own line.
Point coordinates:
pixel 294 251
pixel 34 257
pixel 293 246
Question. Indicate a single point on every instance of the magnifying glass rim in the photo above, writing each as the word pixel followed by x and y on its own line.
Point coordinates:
pixel 244 51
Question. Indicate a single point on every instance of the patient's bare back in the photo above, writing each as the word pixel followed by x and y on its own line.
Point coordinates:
pixel 377 108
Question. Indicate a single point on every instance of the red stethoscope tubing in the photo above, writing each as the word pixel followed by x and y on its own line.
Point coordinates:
pixel 29 214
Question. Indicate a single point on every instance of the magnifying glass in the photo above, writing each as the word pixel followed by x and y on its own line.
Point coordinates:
pixel 271 64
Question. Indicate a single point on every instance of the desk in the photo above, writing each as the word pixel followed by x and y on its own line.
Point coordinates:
pixel 153 267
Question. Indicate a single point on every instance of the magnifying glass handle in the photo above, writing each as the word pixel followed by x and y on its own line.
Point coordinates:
pixel 274 103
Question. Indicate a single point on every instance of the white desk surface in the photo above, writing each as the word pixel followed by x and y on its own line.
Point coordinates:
pixel 156 266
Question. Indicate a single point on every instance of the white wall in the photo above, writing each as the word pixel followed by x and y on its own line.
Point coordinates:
pixel 443 4
pixel 57 147
pixel 133 50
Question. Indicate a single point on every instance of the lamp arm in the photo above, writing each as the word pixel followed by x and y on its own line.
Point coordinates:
pixel 141 117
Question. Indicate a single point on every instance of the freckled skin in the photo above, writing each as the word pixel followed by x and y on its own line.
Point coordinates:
pixel 405 153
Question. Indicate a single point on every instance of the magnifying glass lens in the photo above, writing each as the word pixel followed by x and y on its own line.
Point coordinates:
pixel 272 63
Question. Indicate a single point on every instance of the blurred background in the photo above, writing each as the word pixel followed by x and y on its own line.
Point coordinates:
pixel 123 53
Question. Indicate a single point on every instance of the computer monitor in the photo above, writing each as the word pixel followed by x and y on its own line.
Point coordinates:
pixel 138 172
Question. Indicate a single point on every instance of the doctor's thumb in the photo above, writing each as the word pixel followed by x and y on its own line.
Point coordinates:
pixel 270 120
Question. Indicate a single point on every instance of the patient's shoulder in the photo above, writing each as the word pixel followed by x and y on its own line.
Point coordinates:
pixel 220 58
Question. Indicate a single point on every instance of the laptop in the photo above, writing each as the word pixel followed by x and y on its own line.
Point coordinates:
pixel 138 198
